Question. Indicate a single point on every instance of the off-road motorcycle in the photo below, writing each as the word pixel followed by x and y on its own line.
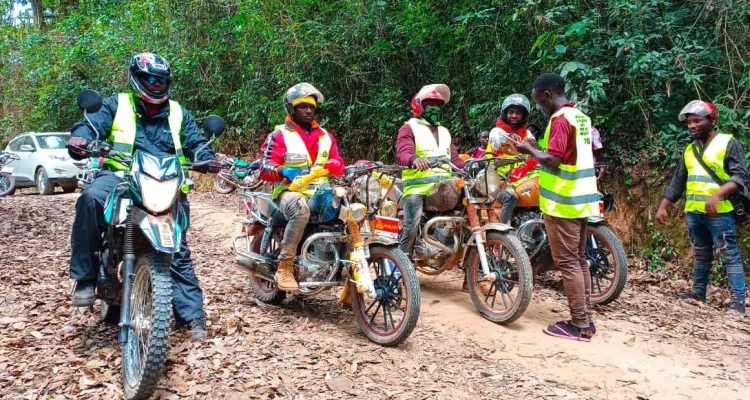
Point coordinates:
pixel 145 223
pixel 7 182
pixel 498 271
pixel 346 244
pixel 236 173
pixel 604 251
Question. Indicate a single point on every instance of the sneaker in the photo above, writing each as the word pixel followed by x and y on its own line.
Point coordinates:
pixel 735 307
pixel 198 329
pixel 83 294
pixel 693 296
pixel 566 330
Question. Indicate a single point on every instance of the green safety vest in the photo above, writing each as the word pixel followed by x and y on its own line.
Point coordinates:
pixel 569 191
pixel 700 185
pixel 425 146
pixel 124 129
pixel 295 145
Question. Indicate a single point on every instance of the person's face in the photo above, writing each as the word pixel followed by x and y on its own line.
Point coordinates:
pixel 544 99
pixel 484 138
pixel 153 83
pixel 304 113
pixel 699 127
pixel 514 115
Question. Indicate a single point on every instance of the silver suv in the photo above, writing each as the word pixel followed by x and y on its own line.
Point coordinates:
pixel 44 162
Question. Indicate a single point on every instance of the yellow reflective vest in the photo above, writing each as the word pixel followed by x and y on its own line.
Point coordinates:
pixel 700 185
pixel 124 129
pixel 295 145
pixel 569 191
pixel 425 146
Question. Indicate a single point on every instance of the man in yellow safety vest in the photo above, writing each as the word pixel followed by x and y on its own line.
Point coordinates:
pixel 709 213
pixel 144 119
pixel 289 151
pixel 567 197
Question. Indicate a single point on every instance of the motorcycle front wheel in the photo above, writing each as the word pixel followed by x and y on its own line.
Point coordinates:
pixel 608 264
pixel 221 185
pixel 7 184
pixel 506 298
pixel 145 351
pixel 389 318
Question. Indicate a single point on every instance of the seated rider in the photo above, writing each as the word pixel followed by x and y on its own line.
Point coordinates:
pixel 514 113
pixel 290 151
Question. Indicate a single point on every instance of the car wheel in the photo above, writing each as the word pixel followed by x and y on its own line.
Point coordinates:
pixel 43 184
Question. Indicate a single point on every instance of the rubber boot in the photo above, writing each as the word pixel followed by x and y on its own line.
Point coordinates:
pixel 285 280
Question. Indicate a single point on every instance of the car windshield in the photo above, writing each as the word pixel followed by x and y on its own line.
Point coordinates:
pixel 52 142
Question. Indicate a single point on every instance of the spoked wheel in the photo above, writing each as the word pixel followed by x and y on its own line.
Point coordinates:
pixel 266 291
pixel 221 185
pixel 7 184
pixel 145 351
pixel 607 263
pixel 504 300
pixel 391 317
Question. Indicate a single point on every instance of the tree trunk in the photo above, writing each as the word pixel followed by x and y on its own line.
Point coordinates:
pixel 38 9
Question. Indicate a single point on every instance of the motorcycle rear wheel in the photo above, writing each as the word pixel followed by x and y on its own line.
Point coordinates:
pixel 145 352
pixel 512 272
pixel 400 296
pixel 608 265
pixel 221 185
pixel 266 291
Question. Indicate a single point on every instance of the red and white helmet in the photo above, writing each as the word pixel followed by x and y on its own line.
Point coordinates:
pixel 430 92
pixel 701 109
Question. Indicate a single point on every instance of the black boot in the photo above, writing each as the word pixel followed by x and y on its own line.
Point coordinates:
pixel 735 307
pixel 693 296
pixel 83 294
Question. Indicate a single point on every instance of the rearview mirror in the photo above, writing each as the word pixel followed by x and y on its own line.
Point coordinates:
pixel 213 125
pixel 26 147
pixel 90 100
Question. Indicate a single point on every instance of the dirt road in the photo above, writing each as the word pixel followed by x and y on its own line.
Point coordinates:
pixel 649 346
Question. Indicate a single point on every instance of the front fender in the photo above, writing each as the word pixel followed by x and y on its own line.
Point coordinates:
pixel 496 227
pixel 385 241
pixel 161 231
pixel 597 220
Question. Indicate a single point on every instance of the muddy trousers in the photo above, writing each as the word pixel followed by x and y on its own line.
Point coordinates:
pixel 508 198
pixel 86 239
pixel 707 233
pixel 294 208
pixel 413 205
pixel 567 239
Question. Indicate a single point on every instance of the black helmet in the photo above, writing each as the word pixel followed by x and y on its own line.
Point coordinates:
pixel 149 64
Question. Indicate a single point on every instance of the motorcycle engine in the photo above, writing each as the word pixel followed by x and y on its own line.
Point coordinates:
pixel 530 231
pixel 320 262
pixel 431 255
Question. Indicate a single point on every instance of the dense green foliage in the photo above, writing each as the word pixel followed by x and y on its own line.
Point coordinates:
pixel 631 63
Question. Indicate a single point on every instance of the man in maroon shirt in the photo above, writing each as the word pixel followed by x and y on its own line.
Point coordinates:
pixel 566 229
pixel 426 108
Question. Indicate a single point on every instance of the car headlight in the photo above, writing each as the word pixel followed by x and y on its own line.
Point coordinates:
pixel 158 196
pixel 58 158
pixel 368 189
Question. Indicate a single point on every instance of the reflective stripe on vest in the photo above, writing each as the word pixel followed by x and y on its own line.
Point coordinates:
pixel 124 129
pixel 700 185
pixel 569 191
pixel 425 146
pixel 295 145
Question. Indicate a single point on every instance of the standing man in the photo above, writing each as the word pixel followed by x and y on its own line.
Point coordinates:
pixel 567 197
pixel 421 141
pixel 710 218
pixel 290 151
pixel 144 119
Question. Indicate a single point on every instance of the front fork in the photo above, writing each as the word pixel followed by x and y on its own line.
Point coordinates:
pixel 127 279
pixel 359 259
pixel 476 231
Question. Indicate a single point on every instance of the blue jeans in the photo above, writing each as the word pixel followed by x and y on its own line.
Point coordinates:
pixel 720 231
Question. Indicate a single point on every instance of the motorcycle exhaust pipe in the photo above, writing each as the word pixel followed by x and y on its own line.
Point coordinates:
pixel 434 221
pixel 255 264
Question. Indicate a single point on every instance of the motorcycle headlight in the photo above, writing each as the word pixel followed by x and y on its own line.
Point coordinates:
pixel 158 196
pixel 368 189
pixel 389 209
